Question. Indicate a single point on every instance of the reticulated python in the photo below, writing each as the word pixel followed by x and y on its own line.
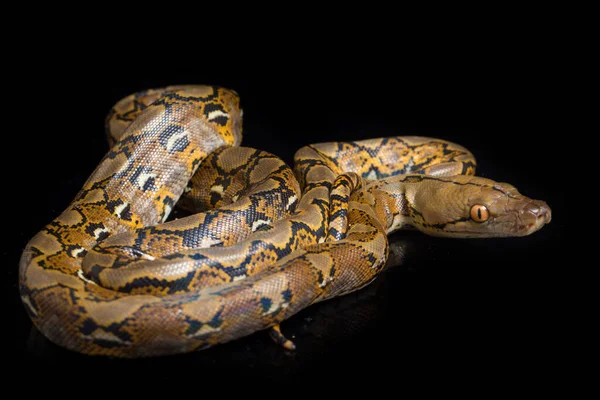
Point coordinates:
pixel 109 276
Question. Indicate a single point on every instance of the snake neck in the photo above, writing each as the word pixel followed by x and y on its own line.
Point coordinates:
pixel 390 201
pixel 397 201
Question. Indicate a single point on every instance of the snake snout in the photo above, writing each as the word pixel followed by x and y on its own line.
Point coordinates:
pixel 534 216
pixel 540 211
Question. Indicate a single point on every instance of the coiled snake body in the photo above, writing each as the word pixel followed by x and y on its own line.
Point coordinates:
pixel 109 276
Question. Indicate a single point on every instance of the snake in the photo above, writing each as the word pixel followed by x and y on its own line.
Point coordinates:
pixel 113 275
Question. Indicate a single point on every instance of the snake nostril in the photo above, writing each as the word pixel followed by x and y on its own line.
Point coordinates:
pixel 534 210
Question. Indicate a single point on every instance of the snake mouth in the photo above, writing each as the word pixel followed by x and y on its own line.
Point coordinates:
pixel 484 235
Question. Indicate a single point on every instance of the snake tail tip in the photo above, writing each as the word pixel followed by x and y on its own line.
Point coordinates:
pixel 289 345
pixel 280 339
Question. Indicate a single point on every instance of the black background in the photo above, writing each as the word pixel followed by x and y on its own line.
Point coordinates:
pixel 468 308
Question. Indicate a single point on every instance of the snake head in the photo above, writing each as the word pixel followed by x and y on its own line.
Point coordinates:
pixel 474 207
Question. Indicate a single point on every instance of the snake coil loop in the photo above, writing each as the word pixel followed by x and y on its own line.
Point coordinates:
pixel 109 276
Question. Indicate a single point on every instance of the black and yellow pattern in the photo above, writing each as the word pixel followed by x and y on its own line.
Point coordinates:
pixel 109 276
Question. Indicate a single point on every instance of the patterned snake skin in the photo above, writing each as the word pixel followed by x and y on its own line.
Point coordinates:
pixel 110 277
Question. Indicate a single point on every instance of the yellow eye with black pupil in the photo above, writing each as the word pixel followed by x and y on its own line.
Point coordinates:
pixel 479 213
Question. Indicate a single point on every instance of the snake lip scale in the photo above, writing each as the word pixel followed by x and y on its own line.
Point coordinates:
pixel 111 275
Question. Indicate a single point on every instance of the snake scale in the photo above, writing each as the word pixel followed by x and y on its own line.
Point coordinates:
pixel 110 277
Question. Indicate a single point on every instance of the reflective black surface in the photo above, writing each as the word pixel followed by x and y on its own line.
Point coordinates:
pixel 446 304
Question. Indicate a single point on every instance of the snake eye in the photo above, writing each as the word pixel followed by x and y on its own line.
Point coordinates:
pixel 479 213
